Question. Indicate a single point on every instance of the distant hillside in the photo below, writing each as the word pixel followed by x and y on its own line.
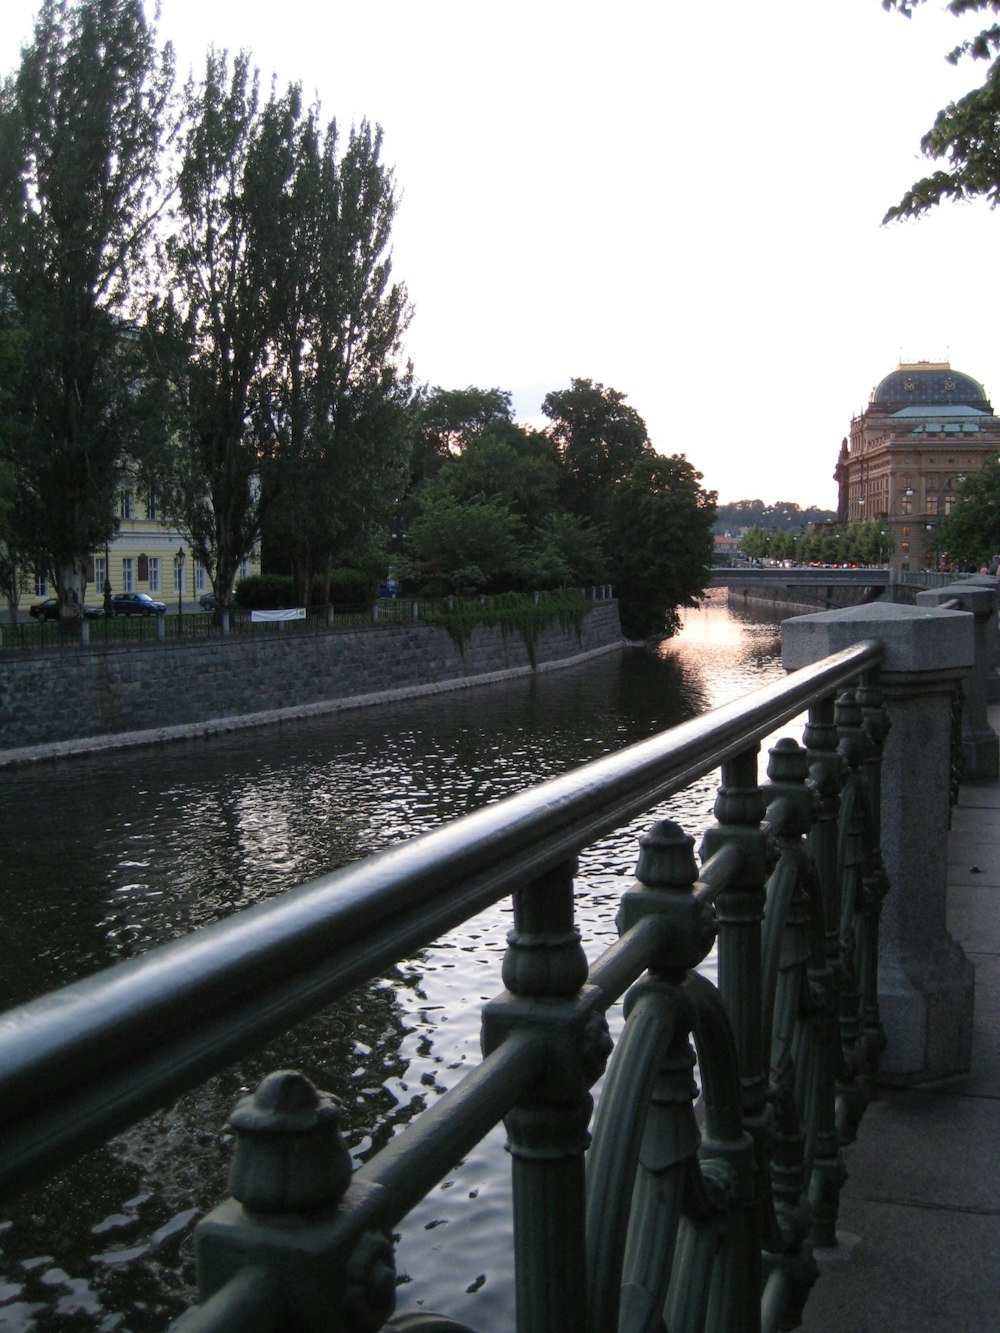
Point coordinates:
pixel 784 516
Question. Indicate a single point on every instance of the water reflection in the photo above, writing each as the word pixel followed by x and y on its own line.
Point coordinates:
pixel 111 854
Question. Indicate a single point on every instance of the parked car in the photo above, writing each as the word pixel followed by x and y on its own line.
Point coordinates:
pixel 136 604
pixel 49 610
pixel 207 601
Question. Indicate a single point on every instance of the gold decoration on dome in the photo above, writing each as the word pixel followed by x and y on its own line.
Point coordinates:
pixel 949 383
pixel 909 385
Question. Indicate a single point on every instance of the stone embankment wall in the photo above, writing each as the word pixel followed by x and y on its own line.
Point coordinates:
pixel 72 700
pixel 805 600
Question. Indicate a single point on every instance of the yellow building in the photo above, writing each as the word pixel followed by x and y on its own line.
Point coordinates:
pixel 147 555
pixel 925 429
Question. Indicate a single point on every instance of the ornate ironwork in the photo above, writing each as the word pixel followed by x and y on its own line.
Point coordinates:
pixel 714 1165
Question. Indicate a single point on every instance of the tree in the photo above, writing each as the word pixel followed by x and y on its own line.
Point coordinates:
pixel 217 322
pixel 971 532
pixel 81 127
pixel 467 546
pixel 600 438
pixel 281 329
pixel 965 133
pixel 659 542
pixel 334 397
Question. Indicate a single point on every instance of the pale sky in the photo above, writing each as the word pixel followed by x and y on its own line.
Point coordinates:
pixel 680 201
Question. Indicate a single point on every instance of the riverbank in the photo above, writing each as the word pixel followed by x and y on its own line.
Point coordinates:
pixel 56 706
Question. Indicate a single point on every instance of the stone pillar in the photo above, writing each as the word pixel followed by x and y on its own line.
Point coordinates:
pixel 980 747
pixel 925 980
pixel 992 634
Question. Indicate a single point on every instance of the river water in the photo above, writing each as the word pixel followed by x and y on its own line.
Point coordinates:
pixel 108 855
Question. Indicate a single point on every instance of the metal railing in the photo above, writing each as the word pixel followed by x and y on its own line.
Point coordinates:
pixel 699 1214
pixel 117 631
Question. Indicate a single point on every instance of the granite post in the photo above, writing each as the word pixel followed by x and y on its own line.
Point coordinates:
pixel 980 747
pixel 925 980
pixel 992 634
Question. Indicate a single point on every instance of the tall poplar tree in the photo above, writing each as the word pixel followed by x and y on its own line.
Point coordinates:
pixel 81 125
pixel 280 331
pixel 215 326
pixel 335 395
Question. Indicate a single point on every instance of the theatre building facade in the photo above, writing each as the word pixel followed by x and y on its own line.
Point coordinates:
pixel 925 429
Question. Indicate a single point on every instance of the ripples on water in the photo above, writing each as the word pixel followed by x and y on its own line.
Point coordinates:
pixel 108 855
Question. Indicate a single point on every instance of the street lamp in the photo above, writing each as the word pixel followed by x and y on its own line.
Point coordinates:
pixel 180 584
pixel 107 581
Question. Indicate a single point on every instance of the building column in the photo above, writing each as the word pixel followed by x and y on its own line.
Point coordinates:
pixel 925 980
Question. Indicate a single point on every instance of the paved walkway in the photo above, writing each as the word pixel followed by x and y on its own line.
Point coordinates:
pixel 920 1213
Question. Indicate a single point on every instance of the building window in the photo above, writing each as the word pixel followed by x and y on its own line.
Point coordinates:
pixel 932 483
pixel 199 576
pixel 128 574
pixel 932 503
pixel 151 505
pixel 125 504
pixel 154 573
pixel 244 568
pixel 41 585
pixel 100 572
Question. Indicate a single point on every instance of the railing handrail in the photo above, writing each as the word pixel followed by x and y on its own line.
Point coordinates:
pixel 81 1063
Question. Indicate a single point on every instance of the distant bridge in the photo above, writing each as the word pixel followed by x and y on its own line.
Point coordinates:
pixel 804 577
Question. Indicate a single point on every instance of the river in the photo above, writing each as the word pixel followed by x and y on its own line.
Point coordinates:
pixel 110 854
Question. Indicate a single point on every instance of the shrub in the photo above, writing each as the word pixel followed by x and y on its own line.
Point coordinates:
pixel 264 592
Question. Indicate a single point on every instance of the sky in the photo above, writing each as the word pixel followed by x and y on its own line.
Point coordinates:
pixel 682 202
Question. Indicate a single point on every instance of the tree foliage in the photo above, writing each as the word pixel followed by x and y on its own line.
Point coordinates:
pixel 334 398
pixel 587 501
pixel 82 122
pixel 659 542
pixel 281 329
pixel 965 133
pixel 970 534
pixel 600 438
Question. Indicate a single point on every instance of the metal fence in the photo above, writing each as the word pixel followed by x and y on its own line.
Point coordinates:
pixel 687 1210
pixel 101 632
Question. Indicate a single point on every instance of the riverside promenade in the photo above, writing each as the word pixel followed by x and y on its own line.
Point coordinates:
pixel 919 1220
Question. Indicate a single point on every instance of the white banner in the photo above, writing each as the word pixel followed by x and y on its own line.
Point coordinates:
pixel 289 613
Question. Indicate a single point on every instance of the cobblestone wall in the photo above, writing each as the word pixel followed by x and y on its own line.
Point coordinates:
pixel 47 698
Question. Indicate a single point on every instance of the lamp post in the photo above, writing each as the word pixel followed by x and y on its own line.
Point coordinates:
pixel 180 585
pixel 107 581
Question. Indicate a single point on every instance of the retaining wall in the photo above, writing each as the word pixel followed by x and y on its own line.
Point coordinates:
pixel 801 600
pixel 66 701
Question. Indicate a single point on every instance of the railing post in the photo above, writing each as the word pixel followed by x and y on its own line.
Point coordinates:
pixel 287 1219
pixel 980 746
pixel 827 771
pixel 544 970
pixel 739 810
pixel 925 981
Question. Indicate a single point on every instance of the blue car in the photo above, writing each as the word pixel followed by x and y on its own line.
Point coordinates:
pixel 136 604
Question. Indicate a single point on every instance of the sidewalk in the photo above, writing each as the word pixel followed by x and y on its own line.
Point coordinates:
pixel 920 1214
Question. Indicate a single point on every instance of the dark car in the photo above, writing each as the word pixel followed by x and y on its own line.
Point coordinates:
pixel 136 604
pixel 207 601
pixel 49 610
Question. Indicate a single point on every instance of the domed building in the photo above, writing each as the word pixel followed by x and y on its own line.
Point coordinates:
pixel 925 429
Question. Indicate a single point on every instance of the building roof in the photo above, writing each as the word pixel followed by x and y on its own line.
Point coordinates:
pixel 929 383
